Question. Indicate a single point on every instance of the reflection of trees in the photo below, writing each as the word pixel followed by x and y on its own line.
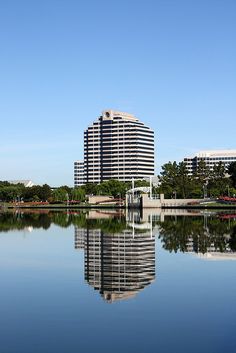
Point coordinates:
pixel 199 233
pixel 61 219
pixel 176 233
pixel 109 225
pixel 232 240
pixel 17 221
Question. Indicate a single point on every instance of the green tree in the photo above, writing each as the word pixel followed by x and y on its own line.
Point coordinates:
pixel 60 195
pixel 112 187
pixel 169 179
pixel 37 192
pixel 67 189
pixel 90 189
pixel 232 172
pixel 184 181
pixel 141 183
pixel 10 193
pixel 200 179
pixel 202 173
pixel 175 180
pixel 45 192
pixel 78 194
pixel 218 182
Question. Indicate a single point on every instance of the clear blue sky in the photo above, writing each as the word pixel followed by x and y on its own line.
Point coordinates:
pixel 172 63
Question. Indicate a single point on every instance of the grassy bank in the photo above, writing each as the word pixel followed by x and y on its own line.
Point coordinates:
pixel 213 205
pixel 60 206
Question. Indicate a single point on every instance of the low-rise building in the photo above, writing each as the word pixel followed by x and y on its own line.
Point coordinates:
pixel 211 158
pixel 26 183
pixel 78 173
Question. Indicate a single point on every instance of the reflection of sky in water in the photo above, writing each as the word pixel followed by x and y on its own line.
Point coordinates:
pixel 47 306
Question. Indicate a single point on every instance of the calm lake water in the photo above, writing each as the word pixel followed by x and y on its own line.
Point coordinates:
pixel 107 281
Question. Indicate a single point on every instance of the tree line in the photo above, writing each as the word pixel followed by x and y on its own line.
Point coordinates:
pixel 174 182
pixel 18 192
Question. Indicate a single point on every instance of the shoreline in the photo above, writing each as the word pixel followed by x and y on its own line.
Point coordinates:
pixel 92 206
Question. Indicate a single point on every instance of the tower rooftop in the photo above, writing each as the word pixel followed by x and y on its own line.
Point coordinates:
pixel 110 114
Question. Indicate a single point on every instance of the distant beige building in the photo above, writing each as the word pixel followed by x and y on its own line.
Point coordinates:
pixel 26 183
pixel 78 173
pixel 211 158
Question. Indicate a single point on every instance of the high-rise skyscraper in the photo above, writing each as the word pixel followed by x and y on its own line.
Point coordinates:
pixel 118 146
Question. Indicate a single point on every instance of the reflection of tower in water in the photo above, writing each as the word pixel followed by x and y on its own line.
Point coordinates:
pixel 80 234
pixel 119 265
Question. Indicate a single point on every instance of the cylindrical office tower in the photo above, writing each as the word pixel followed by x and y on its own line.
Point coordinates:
pixel 118 146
